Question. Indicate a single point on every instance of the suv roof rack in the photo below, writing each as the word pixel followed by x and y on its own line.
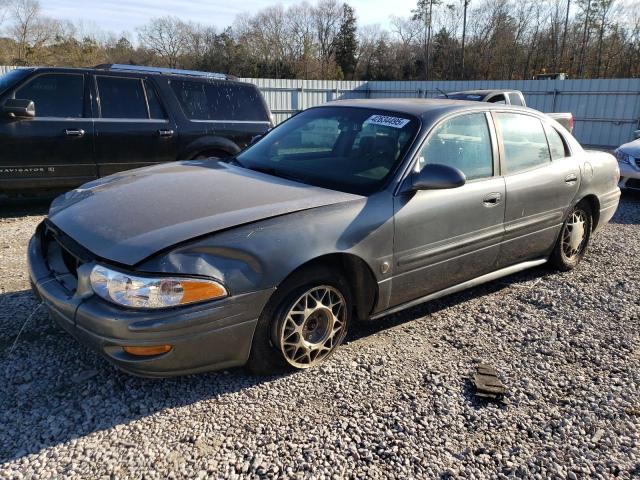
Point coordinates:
pixel 164 71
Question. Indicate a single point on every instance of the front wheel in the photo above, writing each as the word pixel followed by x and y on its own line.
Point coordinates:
pixel 574 238
pixel 304 323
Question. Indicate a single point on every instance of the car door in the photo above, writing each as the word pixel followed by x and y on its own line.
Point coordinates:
pixel 541 185
pixel 445 237
pixel 54 148
pixel 133 129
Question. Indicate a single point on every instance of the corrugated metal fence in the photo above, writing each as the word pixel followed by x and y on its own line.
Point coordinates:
pixel 606 111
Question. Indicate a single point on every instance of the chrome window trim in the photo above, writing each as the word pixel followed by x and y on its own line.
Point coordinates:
pixel 261 122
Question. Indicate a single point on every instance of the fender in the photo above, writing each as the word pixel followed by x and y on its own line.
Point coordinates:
pixel 203 144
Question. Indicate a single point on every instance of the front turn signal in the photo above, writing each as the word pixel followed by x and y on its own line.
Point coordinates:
pixel 147 351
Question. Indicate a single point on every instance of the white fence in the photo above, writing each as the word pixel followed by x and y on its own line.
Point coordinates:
pixel 606 111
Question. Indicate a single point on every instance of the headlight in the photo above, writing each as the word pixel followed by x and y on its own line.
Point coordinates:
pixel 152 292
pixel 623 157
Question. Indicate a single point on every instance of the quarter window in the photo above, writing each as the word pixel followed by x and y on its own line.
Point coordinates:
pixel 55 95
pixel 463 142
pixel 556 144
pixel 122 98
pixel 220 101
pixel 524 140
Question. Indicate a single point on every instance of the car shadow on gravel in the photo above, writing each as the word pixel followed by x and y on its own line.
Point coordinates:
pixel 56 390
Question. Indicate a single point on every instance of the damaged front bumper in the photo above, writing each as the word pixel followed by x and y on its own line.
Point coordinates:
pixel 208 336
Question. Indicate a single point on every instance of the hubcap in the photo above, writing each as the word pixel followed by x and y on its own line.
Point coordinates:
pixel 574 234
pixel 313 326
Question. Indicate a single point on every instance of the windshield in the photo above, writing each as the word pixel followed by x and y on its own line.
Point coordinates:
pixel 343 148
pixel 11 78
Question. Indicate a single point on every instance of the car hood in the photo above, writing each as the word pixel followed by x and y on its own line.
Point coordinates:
pixel 127 217
pixel 631 148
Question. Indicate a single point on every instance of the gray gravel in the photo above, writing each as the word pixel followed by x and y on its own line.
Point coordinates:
pixel 395 401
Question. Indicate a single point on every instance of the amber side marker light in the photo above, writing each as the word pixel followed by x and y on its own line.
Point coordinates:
pixel 148 351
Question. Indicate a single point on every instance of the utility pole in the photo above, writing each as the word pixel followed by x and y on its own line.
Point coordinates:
pixel 464 36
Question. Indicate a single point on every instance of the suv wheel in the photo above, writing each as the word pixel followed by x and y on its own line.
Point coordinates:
pixel 303 324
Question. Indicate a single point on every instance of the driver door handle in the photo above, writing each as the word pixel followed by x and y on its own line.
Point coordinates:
pixel 492 199
pixel 165 133
pixel 74 133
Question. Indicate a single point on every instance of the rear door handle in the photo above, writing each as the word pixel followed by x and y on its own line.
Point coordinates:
pixel 492 199
pixel 571 179
pixel 165 133
pixel 74 133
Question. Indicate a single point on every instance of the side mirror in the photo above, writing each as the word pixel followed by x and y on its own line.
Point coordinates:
pixel 636 134
pixel 435 176
pixel 20 108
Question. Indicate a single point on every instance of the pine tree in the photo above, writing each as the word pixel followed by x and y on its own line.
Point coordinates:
pixel 347 42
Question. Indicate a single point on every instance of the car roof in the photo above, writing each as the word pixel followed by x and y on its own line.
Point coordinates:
pixel 426 108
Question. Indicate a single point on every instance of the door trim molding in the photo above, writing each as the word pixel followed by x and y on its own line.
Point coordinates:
pixel 503 272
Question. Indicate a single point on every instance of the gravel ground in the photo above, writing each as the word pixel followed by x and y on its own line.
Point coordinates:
pixel 395 401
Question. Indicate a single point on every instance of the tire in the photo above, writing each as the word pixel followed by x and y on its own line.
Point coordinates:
pixel 570 250
pixel 210 155
pixel 286 340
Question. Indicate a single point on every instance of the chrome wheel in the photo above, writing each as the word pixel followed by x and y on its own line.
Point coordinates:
pixel 313 327
pixel 574 234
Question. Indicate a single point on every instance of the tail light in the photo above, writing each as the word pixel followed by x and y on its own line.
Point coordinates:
pixel 571 124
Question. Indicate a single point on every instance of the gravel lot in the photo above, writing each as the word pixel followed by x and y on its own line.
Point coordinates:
pixel 395 401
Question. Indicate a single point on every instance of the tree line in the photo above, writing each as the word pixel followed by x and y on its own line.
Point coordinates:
pixel 437 40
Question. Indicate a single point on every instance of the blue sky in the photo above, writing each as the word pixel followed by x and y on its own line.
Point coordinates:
pixel 122 15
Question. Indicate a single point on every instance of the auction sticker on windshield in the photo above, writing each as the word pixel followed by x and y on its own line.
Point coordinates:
pixel 385 121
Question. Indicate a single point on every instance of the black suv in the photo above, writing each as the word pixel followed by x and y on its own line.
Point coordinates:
pixel 61 127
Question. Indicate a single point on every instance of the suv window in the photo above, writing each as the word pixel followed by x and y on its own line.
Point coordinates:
pixel 55 95
pixel 462 142
pixel 557 146
pixel 156 110
pixel 220 101
pixel 121 98
pixel 515 99
pixel 524 140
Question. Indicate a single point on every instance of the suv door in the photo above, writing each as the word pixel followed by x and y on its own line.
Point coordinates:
pixel 445 237
pixel 54 148
pixel 133 129
pixel 540 186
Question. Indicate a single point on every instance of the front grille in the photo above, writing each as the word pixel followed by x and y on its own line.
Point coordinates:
pixel 63 255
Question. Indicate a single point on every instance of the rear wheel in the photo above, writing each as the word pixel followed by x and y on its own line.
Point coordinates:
pixel 303 324
pixel 574 238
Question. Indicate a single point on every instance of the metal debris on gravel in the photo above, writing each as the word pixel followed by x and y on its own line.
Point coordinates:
pixel 393 402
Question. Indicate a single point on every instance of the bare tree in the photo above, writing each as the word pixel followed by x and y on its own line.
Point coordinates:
pixel 167 37
pixel 327 15
pixel 30 29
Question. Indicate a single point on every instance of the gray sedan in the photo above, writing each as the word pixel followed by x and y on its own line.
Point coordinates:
pixel 348 211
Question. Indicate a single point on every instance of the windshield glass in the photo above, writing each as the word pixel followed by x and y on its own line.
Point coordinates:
pixel 343 148
pixel 11 78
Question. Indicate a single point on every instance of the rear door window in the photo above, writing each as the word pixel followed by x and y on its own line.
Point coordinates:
pixel 156 110
pixel 462 142
pixel 55 95
pixel 220 101
pixel 497 99
pixel 557 146
pixel 524 141
pixel 122 98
